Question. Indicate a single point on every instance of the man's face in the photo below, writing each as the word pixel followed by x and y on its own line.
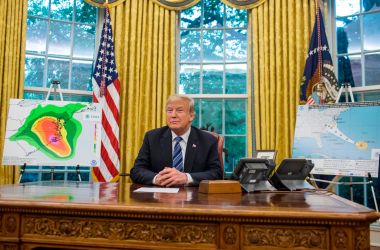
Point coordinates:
pixel 178 116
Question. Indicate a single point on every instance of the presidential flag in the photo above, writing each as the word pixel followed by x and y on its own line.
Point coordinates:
pixel 106 91
pixel 319 84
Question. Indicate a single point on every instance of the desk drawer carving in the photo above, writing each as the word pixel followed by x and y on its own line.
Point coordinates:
pixel 9 223
pixel 361 238
pixel 259 236
pixel 117 229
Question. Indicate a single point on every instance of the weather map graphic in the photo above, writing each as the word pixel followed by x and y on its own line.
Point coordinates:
pixel 52 133
pixel 340 139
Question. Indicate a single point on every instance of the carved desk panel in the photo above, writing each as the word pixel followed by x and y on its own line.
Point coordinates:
pixel 83 216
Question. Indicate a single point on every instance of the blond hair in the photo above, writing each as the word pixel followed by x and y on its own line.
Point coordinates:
pixel 179 97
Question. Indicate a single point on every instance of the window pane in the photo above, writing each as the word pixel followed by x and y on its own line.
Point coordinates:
pixel 78 98
pixel 213 79
pixel 85 13
pixel 196 121
pixel 34 70
pixel 34 96
pixel 213 45
pixel 60 38
pixel 211 111
pixel 348 35
pixel 58 69
pixel 372 69
pixel 236 147
pixel 190 46
pixel 36 35
pixel 235 117
pixel 346 8
pixel 372 96
pixel 189 79
pixel 191 17
pixel 38 7
pixel 236 45
pixel 81 75
pixel 236 78
pixel 370 5
pixel 236 18
pixel 84 41
pixel 350 70
pixel 213 13
pixel 345 191
pixel 371 34
pixel 56 176
pixel 73 176
pixel 29 177
pixel 62 9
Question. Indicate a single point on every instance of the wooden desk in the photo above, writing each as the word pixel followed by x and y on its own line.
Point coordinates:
pixel 99 216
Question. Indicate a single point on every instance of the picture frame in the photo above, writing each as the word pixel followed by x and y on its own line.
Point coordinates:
pixel 265 154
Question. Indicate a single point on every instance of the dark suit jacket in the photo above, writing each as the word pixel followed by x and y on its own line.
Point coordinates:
pixel 201 159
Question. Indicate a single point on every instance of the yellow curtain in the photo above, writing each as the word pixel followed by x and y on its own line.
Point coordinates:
pixel 12 55
pixel 145 36
pixel 280 33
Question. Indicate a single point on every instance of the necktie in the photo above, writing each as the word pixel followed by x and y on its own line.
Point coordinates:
pixel 177 155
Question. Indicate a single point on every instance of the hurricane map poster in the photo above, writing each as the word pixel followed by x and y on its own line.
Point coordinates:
pixel 52 133
pixel 340 139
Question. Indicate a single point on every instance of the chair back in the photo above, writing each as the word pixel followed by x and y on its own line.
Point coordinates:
pixel 220 149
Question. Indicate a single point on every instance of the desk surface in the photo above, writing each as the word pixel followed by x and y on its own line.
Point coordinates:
pixel 317 209
pixel 106 196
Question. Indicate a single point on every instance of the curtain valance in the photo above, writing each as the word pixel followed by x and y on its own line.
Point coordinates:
pixel 176 4
pixel 243 4
pixel 100 3
pixel 184 4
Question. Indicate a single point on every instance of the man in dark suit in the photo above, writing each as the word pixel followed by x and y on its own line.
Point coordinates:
pixel 177 154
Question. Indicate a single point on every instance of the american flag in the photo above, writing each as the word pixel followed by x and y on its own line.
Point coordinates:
pixel 319 82
pixel 106 91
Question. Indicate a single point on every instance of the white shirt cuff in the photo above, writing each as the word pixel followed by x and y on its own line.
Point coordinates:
pixel 189 179
pixel 154 179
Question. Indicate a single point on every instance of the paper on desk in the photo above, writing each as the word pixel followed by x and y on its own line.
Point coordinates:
pixel 156 190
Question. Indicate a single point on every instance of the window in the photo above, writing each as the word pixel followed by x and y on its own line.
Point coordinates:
pixel 357 46
pixel 358 63
pixel 60 45
pixel 213 70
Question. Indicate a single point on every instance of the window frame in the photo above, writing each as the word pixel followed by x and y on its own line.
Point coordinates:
pixel 361 90
pixel 222 97
pixel 68 92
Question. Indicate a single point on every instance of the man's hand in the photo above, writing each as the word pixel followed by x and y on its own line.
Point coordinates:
pixel 171 177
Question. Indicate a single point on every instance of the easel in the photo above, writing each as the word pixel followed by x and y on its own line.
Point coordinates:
pixel 347 90
pixel 54 85
pixel 348 93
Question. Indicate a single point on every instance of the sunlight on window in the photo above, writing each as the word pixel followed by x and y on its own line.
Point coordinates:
pixel 346 8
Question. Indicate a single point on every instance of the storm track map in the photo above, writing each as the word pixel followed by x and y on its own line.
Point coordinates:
pixel 46 129
pixel 340 139
pixel 52 133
